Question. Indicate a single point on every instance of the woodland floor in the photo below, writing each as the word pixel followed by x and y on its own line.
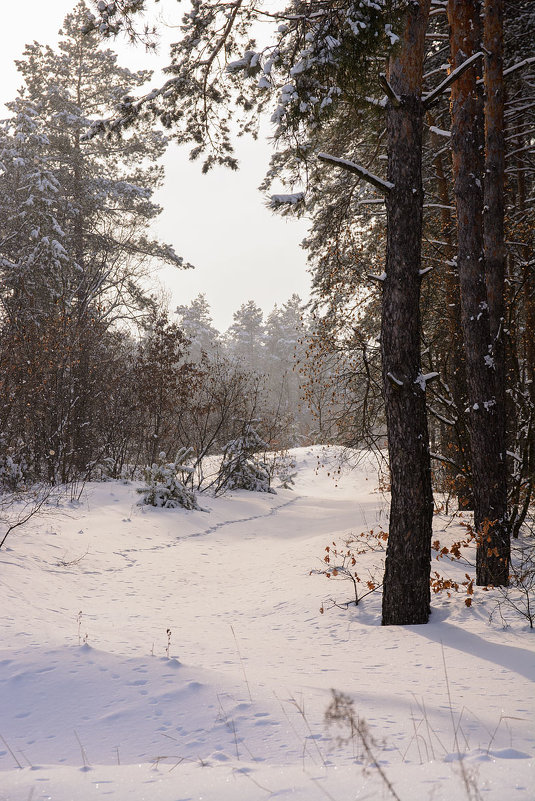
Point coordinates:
pixel 94 702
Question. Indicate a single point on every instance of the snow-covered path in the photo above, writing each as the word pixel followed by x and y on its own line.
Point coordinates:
pixel 237 710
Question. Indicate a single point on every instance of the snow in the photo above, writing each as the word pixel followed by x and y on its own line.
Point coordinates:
pixel 423 378
pixel 289 199
pixel 439 131
pixel 382 277
pixel 98 703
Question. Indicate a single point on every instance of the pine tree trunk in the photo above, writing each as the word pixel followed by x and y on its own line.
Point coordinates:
pixel 457 438
pixel 488 455
pixel 406 592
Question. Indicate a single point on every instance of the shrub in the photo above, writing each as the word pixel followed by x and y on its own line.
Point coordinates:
pixel 166 483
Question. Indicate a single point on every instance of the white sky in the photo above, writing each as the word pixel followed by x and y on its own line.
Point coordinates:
pixel 218 222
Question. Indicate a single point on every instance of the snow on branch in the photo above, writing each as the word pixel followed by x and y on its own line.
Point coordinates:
pixel 395 381
pixel 374 102
pixel 446 460
pixel 439 131
pixel 430 98
pixel 276 201
pixel 422 379
pixel 392 96
pixel 379 278
pixel 519 65
pixel 379 183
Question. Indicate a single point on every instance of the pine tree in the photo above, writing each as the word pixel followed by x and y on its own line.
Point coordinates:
pixel 487 431
pixel 164 381
pixel 166 483
pixel 74 244
pixel 196 323
pixel 246 336
pixel 106 185
pixel 240 467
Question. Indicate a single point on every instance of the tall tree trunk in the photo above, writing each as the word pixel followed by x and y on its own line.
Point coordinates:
pixel 457 438
pixel 488 456
pixel 406 592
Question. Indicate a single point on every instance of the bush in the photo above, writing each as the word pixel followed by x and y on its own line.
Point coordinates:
pixel 165 484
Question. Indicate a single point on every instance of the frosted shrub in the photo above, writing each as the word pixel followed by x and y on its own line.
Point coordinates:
pixel 240 468
pixel 165 484
pixel 286 472
pixel 11 475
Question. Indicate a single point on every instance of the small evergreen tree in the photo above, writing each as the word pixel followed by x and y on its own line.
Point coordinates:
pixel 240 468
pixel 166 483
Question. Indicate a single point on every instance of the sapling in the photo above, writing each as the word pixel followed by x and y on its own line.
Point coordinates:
pixel 520 594
pixel 166 483
pixel 340 562
pixel 241 468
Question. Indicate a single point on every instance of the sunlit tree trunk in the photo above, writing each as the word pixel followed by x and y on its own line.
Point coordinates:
pixel 488 453
pixel 406 593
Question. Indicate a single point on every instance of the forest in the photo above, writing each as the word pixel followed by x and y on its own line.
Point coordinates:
pixel 165 482
pixel 404 133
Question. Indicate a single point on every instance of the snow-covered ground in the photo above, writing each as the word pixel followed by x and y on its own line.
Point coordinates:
pixel 97 701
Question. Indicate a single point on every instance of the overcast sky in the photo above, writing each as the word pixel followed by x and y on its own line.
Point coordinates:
pixel 218 222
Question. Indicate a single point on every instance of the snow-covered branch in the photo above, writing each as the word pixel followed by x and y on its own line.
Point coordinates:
pixel 392 96
pixel 379 183
pixel 519 66
pixel 430 98
pixel 276 201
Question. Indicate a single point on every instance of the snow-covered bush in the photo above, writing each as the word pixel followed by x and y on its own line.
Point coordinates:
pixel 165 483
pixel 240 469
pixel 284 468
pixel 11 475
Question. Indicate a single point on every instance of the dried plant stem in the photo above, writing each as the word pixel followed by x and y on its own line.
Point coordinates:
pixel 471 789
pixel 241 662
pixel 82 749
pixel 364 737
pixel 10 751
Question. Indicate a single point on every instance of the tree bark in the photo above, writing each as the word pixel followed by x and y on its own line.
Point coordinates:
pixel 488 454
pixel 406 591
pixel 457 439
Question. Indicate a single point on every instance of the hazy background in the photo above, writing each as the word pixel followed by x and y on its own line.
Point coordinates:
pixel 218 222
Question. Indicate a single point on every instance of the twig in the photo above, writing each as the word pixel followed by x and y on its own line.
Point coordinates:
pixel 82 749
pixel 363 733
pixel 10 751
pixel 301 710
pixel 430 98
pixel 241 661
pixel 469 786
